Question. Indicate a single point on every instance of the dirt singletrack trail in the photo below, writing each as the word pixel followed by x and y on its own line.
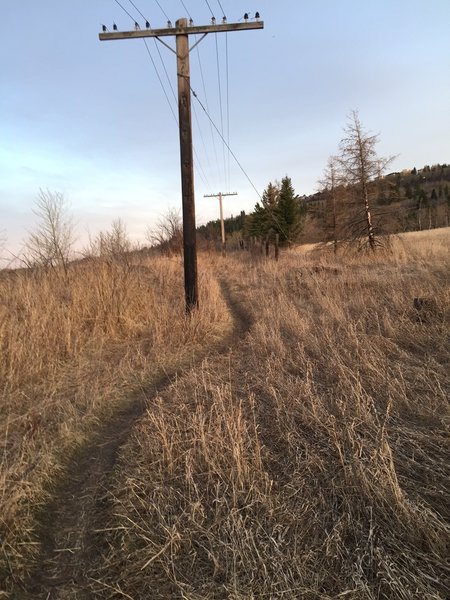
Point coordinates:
pixel 70 525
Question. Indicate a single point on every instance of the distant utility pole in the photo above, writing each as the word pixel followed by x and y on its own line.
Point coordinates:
pixel 182 31
pixel 220 195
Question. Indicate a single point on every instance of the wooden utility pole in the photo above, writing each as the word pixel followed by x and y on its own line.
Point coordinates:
pixel 220 195
pixel 182 31
pixel 187 169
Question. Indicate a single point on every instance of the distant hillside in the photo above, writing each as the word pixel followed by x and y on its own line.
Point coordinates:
pixel 410 200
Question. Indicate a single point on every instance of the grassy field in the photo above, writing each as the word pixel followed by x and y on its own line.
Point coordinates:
pixel 73 351
pixel 310 460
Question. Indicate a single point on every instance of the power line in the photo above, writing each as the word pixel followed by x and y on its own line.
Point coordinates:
pixel 207 106
pixel 160 81
pixel 199 169
pixel 165 69
pixel 185 8
pixel 220 101
pixel 125 10
pixel 162 10
pixel 220 6
pixel 143 16
pixel 151 58
pixel 224 141
pixel 209 6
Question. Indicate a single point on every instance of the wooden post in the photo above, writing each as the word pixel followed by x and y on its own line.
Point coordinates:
pixel 222 224
pixel 187 168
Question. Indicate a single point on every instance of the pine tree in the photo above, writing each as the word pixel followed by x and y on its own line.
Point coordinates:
pixel 289 217
pixel 264 216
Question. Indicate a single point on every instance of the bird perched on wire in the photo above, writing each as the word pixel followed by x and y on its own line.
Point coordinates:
pixel 136 26
pixel 114 27
pixel 147 24
pixel 104 28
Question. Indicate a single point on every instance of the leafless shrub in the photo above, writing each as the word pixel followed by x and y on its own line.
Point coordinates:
pixel 50 244
pixel 167 234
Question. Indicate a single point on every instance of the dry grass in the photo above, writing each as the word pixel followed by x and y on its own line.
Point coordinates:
pixel 72 351
pixel 311 461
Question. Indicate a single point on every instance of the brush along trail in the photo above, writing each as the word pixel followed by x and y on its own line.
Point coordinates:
pixel 71 525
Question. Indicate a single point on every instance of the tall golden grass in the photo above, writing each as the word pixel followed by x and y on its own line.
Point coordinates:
pixel 310 461
pixel 72 350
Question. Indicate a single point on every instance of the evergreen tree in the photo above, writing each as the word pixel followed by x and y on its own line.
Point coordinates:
pixel 264 216
pixel 257 221
pixel 288 215
pixel 278 212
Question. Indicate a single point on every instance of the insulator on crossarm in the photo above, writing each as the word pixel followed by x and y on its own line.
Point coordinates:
pixel 224 19
pixel 213 20
pixel 257 16
pixel 104 28
pixel 114 27
pixel 147 24
pixel 191 22
pixel 169 24
pixel 246 17
pixel 136 26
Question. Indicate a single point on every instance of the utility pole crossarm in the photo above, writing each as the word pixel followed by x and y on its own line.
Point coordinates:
pixel 179 30
pixel 220 194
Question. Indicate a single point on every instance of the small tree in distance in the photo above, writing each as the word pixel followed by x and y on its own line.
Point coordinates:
pixel 279 212
pixel 360 165
pixel 167 234
pixel 331 185
pixel 114 243
pixel 51 242
pixel 264 216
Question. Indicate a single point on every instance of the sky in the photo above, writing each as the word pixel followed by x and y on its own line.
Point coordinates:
pixel 97 122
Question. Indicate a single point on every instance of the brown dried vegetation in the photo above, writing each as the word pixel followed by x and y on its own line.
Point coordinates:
pixel 309 461
pixel 73 350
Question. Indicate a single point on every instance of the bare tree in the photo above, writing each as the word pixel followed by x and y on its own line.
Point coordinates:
pixel 2 245
pixel 360 166
pixel 114 243
pixel 167 234
pixel 331 186
pixel 51 243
